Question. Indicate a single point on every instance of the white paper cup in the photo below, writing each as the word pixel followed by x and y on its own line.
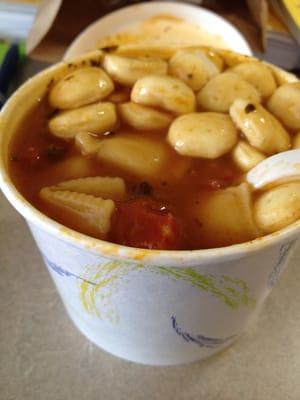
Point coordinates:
pixel 151 307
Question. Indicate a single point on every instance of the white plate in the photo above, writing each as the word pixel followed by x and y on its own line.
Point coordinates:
pixel 133 15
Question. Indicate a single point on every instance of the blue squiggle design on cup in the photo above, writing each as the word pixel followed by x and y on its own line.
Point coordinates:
pixel 276 271
pixel 200 340
pixel 62 272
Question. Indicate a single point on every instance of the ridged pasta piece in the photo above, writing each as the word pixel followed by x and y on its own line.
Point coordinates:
pixel 278 207
pixel 144 118
pixel 259 75
pixel 262 130
pixel 225 216
pixel 105 187
pixel 81 87
pixel 206 134
pixel 165 92
pixel 220 92
pixel 193 67
pixel 246 157
pixel 128 70
pixel 85 213
pixel 95 118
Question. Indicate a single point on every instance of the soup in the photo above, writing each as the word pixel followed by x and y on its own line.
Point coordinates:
pixel 152 152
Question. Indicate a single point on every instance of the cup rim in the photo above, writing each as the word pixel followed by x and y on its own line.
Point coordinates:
pixel 112 250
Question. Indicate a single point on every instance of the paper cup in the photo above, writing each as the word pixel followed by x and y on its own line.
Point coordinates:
pixel 151 307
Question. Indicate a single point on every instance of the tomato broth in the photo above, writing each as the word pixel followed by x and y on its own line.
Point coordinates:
pixel 159 210
pixel 33 166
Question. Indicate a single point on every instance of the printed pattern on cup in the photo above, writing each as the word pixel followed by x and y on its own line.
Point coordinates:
pixel 62 272
pixel 283 254
pixel 200 340
pixel 98 283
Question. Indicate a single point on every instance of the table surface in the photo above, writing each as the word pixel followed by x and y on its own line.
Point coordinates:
pixel 44 357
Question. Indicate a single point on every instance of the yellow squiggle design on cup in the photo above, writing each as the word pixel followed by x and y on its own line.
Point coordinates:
pixel 105 278
pixel 96 296
pixel 233 292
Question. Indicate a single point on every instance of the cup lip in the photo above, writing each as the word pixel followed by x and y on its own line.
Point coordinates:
pixel 177 258
pixel 154 7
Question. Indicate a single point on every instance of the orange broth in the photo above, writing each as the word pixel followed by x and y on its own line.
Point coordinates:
pixel 200 178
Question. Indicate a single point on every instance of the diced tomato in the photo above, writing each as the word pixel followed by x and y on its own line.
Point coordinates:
pixel 145 224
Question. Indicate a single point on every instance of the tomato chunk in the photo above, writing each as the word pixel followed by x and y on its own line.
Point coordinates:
pixel 145 224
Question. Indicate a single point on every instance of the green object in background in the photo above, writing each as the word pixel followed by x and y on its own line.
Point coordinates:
pixel 3 50
pixel 10 57
pixel 4 46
